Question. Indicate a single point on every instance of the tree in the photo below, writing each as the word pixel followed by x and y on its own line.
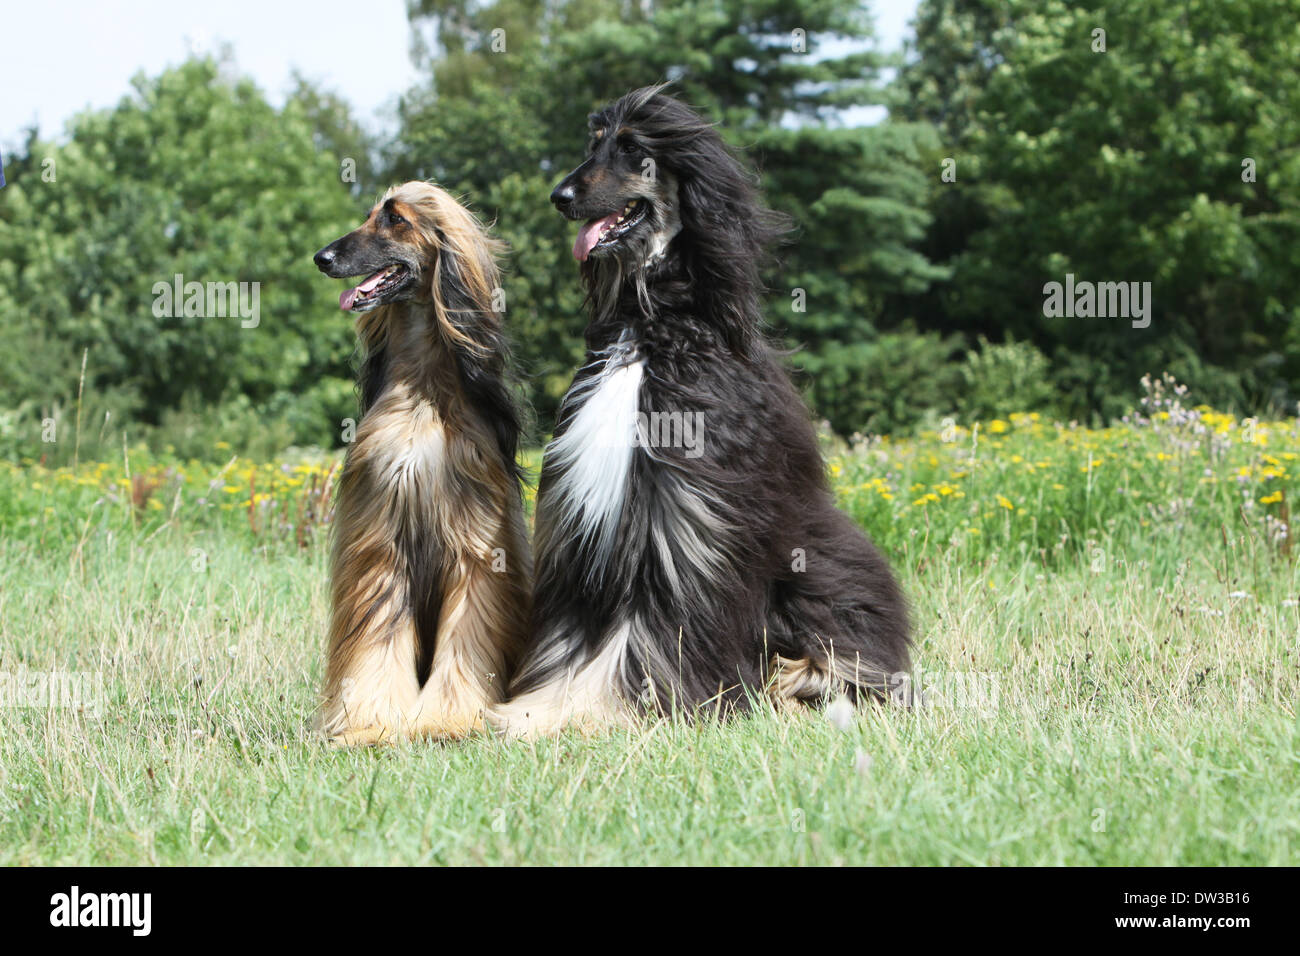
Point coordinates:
pixel 196 175
pixel 1128 162
pixel 501 116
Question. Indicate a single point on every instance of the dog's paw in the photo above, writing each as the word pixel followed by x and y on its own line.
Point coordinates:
pixel 528 721
pixel 448 727
pixel 511 722
pixel 364 737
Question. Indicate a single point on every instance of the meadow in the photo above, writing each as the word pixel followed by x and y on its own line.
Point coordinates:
pixel 1107 621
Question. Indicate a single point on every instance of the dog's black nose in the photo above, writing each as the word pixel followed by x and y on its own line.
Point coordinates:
pixel 324 259
pixel 564 194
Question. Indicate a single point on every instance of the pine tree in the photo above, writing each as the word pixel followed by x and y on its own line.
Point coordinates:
pixel 502 115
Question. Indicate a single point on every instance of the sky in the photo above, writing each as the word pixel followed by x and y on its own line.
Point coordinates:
pixel 62 56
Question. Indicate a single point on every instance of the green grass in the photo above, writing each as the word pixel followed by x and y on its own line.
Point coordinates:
pixel 1109 674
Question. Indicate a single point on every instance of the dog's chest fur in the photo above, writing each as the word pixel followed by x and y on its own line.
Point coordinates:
pixel 402 442
pixel 593 456
pixel 403 449
pixel 602 501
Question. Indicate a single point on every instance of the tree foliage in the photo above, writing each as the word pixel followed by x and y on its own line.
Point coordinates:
pixel 1169 157
pixel 1124 165
pixel 502 116
pixel 193 174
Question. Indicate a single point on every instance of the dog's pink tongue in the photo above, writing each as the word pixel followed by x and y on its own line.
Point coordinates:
pixel 347 298
pixel 589 235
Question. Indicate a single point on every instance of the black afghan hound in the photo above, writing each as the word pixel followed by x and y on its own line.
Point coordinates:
pixel 688 548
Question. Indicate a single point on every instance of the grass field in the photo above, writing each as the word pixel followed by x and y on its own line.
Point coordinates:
pixel 1108 625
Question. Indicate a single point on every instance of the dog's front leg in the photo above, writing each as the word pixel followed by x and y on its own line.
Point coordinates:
pixel 371 690
pixel 480 630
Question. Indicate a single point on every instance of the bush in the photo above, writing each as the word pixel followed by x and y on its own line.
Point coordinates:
pixel 888 384
pixel 996 379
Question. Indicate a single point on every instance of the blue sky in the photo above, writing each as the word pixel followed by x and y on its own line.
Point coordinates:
pixel 63 56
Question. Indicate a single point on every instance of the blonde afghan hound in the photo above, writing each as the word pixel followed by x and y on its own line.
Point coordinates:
pixel 431 565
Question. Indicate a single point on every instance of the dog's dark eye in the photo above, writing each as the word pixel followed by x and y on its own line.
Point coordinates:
pixel 395 220
pixel 628 148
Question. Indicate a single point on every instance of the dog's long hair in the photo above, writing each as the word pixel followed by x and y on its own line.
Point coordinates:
pixel 688 573
pixel 431 565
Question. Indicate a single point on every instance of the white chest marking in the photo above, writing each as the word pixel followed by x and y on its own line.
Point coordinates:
pixel 594 454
